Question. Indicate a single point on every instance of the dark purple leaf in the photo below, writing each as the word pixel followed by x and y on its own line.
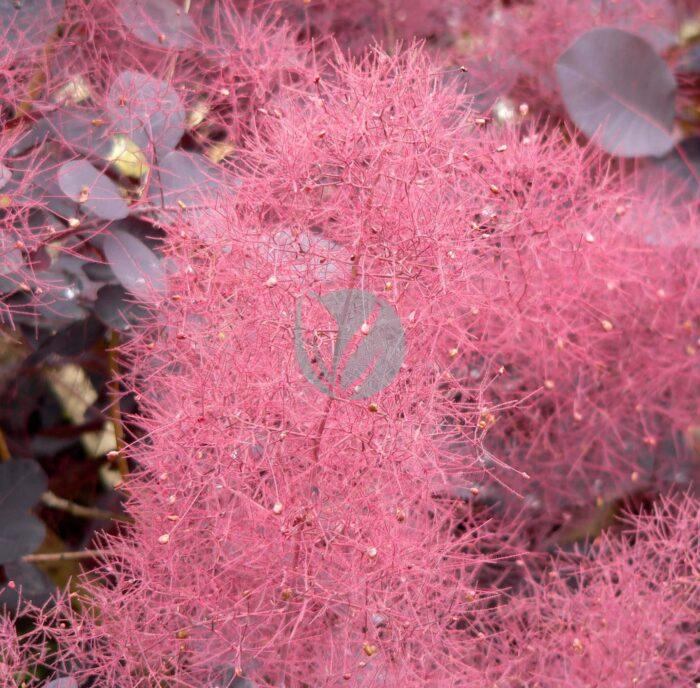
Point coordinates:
pixel 184 180
pixel 20 534
pixel 481 85
pixel 57 300
pixel 148 111
pixel 27 24
pixel 33 583
pixel 618 90
pixel 138 268
pixel 11 262
pixel 94 191
pixel 116 308
pixel 681 169
pixel 99 272
pixel 30 138
pixel 43 189
pixel 22 483
pixel 83 130
pixel 160 23
pixel 672 184
pixel 68 342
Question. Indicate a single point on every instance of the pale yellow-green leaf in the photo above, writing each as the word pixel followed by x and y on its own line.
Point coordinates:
pixel 127 158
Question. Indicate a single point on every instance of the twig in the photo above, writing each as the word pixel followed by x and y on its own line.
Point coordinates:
pixel 55 502
pixel 4 449
pixel 50 557
pixel 114 402
pixel 171 69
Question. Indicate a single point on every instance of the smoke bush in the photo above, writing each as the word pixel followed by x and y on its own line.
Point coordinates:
pixel 625 616
pixel 291 533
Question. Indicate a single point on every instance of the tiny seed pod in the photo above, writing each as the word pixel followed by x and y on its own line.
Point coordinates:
pixel 373 407
pixel 164 539
pixel 369 649
pixel 364 328
pixel 277 508
pixel 453 352
pixel 606 325
pixel 372 552
pixel 271 281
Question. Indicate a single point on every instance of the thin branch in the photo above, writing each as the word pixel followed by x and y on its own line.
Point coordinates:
pixel 4 449
pixel 55 502
pixel 114 402
pixel 51 557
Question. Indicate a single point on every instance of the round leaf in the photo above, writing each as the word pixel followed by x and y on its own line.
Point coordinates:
pixel 616 88
pixel 83 130
pixel 33 584
pixel 183 181
pixel 98 272
pixel 21 485
pixel 11 261
pixel 116 308
pixel 682 170
pixel 85 184
pixel 21 534
pixel 138 268
pixel 27 24
pixel 160 23
pixel 22 482
pixel 148 111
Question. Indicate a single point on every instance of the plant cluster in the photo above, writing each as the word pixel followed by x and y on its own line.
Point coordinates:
pixel 278 489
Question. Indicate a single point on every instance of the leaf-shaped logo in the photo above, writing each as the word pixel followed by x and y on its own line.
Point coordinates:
pixel 376 359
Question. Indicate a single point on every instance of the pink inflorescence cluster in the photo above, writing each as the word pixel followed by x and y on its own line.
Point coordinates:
pixel 284 536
